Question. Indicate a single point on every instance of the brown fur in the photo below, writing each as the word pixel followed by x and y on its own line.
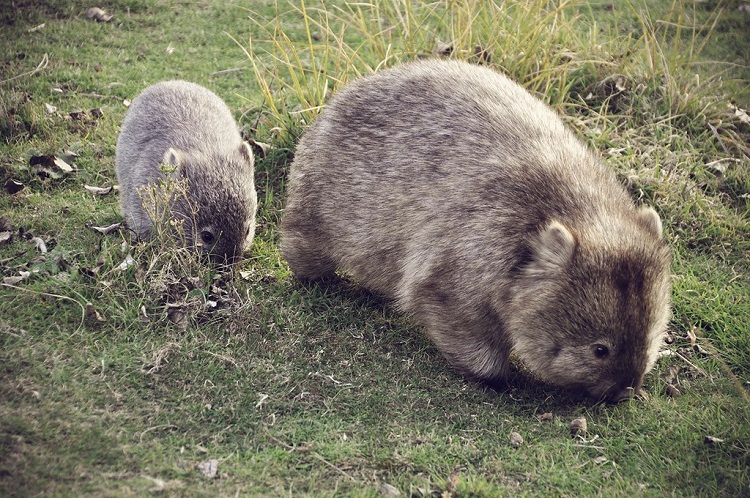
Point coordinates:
pixel 452 190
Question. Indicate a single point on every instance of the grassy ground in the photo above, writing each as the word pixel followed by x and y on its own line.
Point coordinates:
pixel 121 382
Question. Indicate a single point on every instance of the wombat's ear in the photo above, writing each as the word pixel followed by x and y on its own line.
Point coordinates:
pixel 650 220
pixel 553 249
pixel 247 153
pixel 173 161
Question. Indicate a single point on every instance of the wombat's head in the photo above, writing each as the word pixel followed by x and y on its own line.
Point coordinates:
pixel 591 307
pixel 218 208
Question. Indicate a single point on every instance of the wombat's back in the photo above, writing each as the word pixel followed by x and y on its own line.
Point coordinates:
pixel 192 129
pixel 452 190
pixel 416 152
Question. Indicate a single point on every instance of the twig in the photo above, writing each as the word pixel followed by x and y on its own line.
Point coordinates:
pixel 58 296
pixel 42 65
pixel 226 71
pixel 316 455
pixel 165 426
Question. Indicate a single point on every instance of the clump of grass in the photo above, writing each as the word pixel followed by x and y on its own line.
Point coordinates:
pixel 173 279
pixel 296 76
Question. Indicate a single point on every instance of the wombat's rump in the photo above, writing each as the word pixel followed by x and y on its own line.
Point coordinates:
pixel 191 130
pixel 450 189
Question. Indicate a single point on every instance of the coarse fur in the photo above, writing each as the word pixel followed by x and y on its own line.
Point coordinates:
pixel 452 190
pixel 191 131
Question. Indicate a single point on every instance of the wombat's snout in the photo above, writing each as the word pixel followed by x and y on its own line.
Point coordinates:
pixel 622 393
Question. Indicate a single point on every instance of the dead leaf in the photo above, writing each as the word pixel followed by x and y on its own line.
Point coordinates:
pixel 260 146
pixel 712 441
pixel 108 229
pixel 13 280
pixel 98 15
pixel 442 49
pixel 176 314
pixel 600 460
pixel 578 426
pixel 742 115
pixel 37 28
pixel 209 468
pixel 613 84
pixel 5 238
pixel 481 55
pixel 691 335
pixel 50 108
pixel 127 263
pixel 545 417
pixel 515 440
pixel 672 391
pixel 40 245
pixel 50 166
pixel 386 489
pixel 5 225
pixel 13 186
pixel 98 190
pixel 92 315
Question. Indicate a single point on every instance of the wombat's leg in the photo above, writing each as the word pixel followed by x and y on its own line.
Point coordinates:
pixel 470 335
pixel 479 353
pixel 306 251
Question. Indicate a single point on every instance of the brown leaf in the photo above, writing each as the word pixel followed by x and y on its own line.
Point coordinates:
pixel 613 84
pixel 108 229
pixel 672 391
pixel 13 280
pixel 5 238
pixel 98 15
pixel 50 166
pixel 442 49
pixel 93 316
pixel 262 147
pixel 515 440
pixel 98 190
pixel 14 186
pixel 176 314
pixel 578 426
pixel 545 417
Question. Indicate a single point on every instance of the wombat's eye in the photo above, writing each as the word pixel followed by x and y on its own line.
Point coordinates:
pixel 207 237
pixel 601 351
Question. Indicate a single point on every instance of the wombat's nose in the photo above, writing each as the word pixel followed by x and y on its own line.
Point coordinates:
pixel 622 395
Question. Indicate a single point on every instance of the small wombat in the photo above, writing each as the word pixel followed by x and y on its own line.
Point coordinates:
pixel 449 188
pixel 191 131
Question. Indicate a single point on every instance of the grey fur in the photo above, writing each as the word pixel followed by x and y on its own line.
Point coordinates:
pixel 190 128
pixel 452 190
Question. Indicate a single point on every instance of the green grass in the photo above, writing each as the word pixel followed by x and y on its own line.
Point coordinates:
pixel 323 389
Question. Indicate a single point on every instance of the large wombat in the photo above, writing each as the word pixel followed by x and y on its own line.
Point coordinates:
pixel 450 189
pixel 190 130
